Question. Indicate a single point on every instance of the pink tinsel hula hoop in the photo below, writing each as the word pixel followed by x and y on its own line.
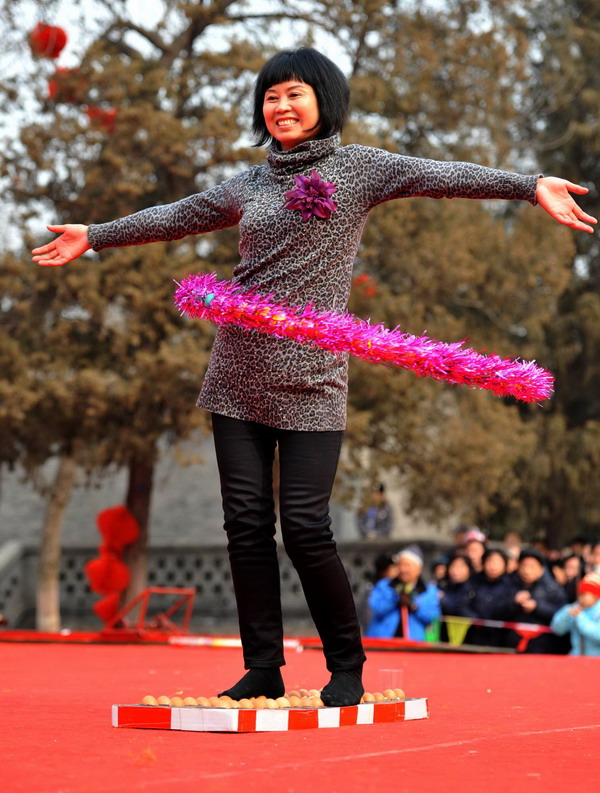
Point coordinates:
pixel 222 302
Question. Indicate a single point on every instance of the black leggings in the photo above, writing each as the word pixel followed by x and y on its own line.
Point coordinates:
pixel 308 462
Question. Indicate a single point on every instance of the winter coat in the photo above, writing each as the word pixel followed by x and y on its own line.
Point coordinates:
pixel 490 598
pixel 549 597
pixel 385 608
pixel 584 628
pixel 458 599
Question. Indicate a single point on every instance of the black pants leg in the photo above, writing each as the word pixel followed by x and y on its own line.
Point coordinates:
pixel 308 463
pixel 308 460
pixel 245 453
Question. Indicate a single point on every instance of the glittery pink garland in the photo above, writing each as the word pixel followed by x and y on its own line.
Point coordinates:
pixel 222 302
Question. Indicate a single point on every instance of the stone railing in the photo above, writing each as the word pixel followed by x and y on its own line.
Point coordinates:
pixel 204 568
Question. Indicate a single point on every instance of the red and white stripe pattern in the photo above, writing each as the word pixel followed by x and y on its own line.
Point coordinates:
pixel 254 720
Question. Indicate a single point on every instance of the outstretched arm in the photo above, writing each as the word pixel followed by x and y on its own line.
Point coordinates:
pixel 554 195
pixel 73 241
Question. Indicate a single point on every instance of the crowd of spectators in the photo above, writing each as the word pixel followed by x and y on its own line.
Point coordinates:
pixel 506 582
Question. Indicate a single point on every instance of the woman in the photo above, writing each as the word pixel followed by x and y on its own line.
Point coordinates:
pixel 491 588
pixel 457 593
pixel 264 391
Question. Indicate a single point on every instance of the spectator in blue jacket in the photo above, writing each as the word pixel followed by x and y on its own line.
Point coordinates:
pixel 582 618
pixel 406 591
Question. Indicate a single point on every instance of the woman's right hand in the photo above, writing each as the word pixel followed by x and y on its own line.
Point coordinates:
pixel 73 241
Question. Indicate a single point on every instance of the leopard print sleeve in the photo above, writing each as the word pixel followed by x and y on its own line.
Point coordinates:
pixel 213 209
pixel 389 176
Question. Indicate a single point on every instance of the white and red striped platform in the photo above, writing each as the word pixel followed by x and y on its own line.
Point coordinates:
pixel 254 720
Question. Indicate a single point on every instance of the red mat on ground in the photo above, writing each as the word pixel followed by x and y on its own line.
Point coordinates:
pixel 508 723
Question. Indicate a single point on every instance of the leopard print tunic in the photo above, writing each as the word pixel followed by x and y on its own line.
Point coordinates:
pixel 259 377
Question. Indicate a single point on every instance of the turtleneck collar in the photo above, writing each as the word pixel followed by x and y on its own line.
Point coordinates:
pixel 302 156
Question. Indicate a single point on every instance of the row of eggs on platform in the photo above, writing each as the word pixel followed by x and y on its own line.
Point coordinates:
pixel 294 699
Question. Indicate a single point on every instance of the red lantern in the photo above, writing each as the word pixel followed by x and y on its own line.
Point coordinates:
pixel 105 119
pixel 107 574
pixel 107 608
pixel 118 528
pixel 47 41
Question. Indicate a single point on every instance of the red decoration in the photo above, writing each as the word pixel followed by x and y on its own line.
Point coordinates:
pixel 365 284
pixel 107 574
pixel 47 41
pixel 100 117
pixel 68 85
pixel 118 528
pixel 107 608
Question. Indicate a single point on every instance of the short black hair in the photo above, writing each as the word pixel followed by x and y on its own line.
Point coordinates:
pixel 491 551
pixel 313 68
pixel 464 558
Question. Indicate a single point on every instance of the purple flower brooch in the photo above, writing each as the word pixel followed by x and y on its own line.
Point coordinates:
pixel 311 196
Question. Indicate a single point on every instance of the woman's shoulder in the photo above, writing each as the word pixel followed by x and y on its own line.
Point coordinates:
pixel 251 174
pixel 360 152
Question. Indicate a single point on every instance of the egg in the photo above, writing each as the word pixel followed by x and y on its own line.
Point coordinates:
pixel 176 702
pixel 283 702
pixel 304 702
pixel 149 700
pixel 218 702
pixel 292 694
pixel 260 704
pixel 203 702
pixel 294 701
pixel 378 696
pixel 399 693
pixel 316 702
pixel 245 703
pixel 271 704
pixel 190 702
pixel 390 693
pixel 233 703
pixel 367 697
pixel 164 700
pixel 314 692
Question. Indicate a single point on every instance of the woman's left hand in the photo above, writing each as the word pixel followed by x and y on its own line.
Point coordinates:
pixel 554 195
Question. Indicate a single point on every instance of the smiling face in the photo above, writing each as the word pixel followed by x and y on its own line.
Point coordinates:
pixel 291 113
pixel 408 570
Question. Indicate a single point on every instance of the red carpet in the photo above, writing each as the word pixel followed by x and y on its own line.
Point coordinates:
pixel 497 723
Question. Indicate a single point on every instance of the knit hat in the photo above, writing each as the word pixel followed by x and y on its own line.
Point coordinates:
pixel 590 583
pixel 412 552
pixel 474 535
